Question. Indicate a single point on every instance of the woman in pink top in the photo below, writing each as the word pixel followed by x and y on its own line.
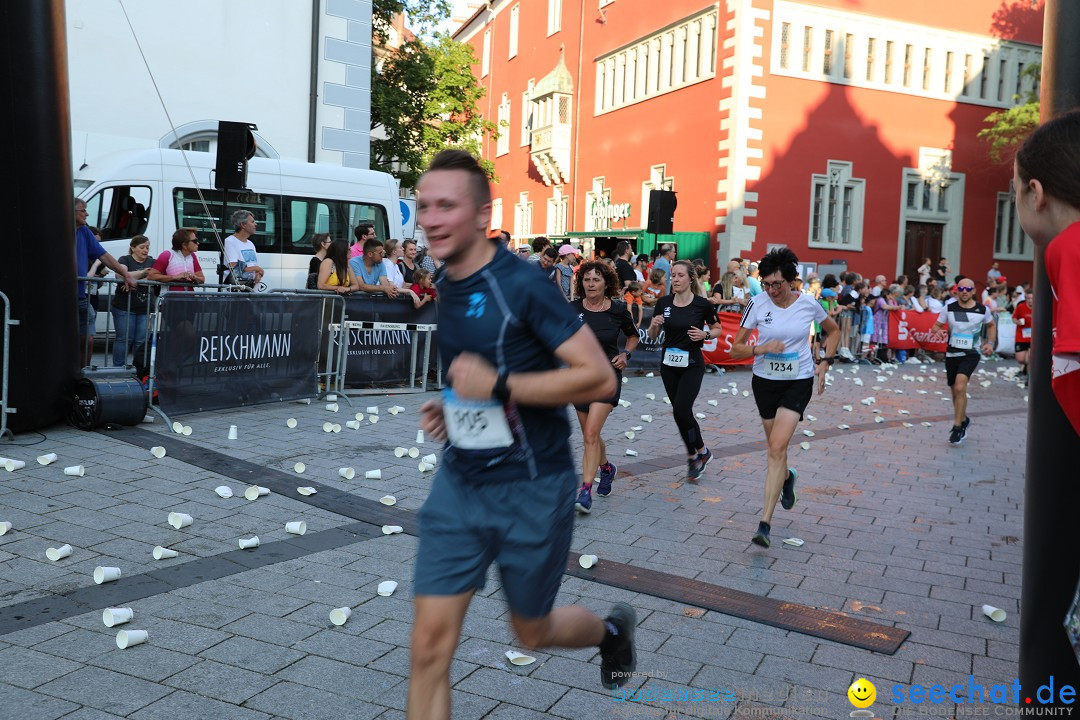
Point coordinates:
pixel 179 265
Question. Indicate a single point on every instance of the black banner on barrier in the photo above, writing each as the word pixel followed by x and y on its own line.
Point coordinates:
pixel 229 350
pixel 380 356
pixel 647 356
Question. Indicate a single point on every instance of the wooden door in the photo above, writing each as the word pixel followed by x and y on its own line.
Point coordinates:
pixel 922 240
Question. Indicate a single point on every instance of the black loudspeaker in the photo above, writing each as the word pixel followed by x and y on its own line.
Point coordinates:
pixel 661 212
pixel 100 402
pixel 235 146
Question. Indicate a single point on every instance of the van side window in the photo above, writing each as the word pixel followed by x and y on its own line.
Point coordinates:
pixel 304 217
pixel 192 213
pixel 120 211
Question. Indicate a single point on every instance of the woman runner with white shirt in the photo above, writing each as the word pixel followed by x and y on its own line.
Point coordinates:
pixel 784 370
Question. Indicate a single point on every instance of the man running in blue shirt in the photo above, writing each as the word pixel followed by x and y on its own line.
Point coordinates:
pixel 516 355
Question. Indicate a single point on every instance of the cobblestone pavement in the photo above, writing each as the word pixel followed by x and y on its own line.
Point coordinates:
pixel 899 528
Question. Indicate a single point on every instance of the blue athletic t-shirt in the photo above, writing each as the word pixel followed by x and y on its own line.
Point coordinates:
pixel 509 313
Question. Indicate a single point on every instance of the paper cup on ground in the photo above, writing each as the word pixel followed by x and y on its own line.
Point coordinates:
pixel 332 407
pixel 232 432
pixel 629 434
pixel 650 396
pixel 647 418
pixel 224 492
pixel 352 424
pixel 373 419
pixel 5 527
pixel 419 437
pixel 106 574
pixel 13 465
pixel 164 553
pixel 291 423
pixel 430 459
pixel 255 492
pixel 794 542
pixel 331 398
pixel 373 474
pixel 58 553
pixel 347 473
pixel 387 588
pixel 307 490
pixel 179 520
pixel 76 470
pixel 296 527
pixel 128 638
pixel 249 543
pixel 414 452
pixel 187 430
pixel 46 459
pixel 299 468
pixel 372 410
pixel 714 403
pixel 587 561
pixel 339 616
pixel 388 500
pixel 631 453
pixel 116 616
pixel 391 529
pixel 148 418
pixel 328 427
pixel 995 614
pixel 425 466
pixel 336 428
pixel 699 416
pixel 157 451
pixel 400 452
pixel 178 427
pixel 517 658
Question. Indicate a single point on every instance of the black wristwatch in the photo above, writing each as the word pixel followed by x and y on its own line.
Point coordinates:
pixel 628 354
pixel 830 360
pixel 500 392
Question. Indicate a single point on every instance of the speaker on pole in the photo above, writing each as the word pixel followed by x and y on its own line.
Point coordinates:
pixel 661 212
pixel 235 146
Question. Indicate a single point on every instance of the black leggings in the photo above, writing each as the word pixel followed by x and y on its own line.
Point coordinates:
pixel 682 386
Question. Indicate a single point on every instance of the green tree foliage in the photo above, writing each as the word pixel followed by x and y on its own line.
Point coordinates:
pixel 424 99
pixel 423 16
pixel 1008 128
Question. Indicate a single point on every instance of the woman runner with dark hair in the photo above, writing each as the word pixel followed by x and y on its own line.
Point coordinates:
pixel 784 370
pixel 596 287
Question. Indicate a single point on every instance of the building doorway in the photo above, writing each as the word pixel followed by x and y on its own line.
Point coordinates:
pixel 921 240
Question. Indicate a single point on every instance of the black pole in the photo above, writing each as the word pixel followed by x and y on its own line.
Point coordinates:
pixel 36 198
pixel 1052 493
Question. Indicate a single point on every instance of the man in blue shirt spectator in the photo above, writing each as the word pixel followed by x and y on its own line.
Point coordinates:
pixel 87 250
pixel 663 262
pixel 370 270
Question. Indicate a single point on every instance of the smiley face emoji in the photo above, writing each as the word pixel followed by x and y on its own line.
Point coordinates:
pixel 862 693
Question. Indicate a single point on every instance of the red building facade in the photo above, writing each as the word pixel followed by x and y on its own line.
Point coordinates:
pixel 844 130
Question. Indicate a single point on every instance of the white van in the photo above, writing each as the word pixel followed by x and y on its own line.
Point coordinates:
pixel 151 192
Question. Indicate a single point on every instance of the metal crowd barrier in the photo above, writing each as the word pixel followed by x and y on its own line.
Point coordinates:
pixel 341 332
pixel 110 336
pixel 5 409
pixel 332 376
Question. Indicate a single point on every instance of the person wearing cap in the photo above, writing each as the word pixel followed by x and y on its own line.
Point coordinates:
pixel 564 270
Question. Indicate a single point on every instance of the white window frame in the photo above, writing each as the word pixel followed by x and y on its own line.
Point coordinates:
pixel 523 216
pixel 502 144
pixel 554 18
pixel 496 213
pixel 514 22
pixel 1007 220
pixel 528 114
pixel 485 59
pixel 834 186
pixel 557 206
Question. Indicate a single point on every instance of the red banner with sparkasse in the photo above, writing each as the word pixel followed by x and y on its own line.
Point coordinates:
pixel 718 351
pixel 910 330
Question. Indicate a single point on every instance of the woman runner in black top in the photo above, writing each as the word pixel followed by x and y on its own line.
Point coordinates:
pixel 687 320
pixel 597 286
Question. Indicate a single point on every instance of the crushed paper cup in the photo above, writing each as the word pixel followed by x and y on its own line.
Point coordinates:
pixel 232 432
pixel 869 400
pixel 299 468
pixel 352 424
pixel 879 419
pixel 699 416
pixel 187 430
pixel 163 553
pixel 249 543
pixel 347 472
pixel 224 491
pixel 714 403
pixel 647 418
pixel 419 437
pixel 388 500
pixel 808 433
pixel 995 614
pixel 13 465
pixel 341 615
pixel 179 520
pixel 631 453
pixel 650 396
pixel 128 638
pixel 46 459
pixel 517 658
pixel 106 574
pixel 157 451
pixel 907 425
pixel 629 434
pixel 58 553
pixel 116 616
pixel 296 527
pixel 255 492
pixel 843 427
pixel 373 419
pixel 624 403
pixel 328 427
pixel 904 412
pixel 5 527
pixel 372 410
pixel 373 474
pixel 848 408
pixel 805 445
pixel 178 427
pixel 430 459
pixel 332 407
pixel 649 374
pixel 926 424
pixel 336 428
pixel 425 466
pixel 387 588
pixel 392 529
pixel 306 490
pixel 637 428
pixel 400 451
pixel 587 561
pixel 811 418
pixel 414 452
pixel 794 542
pixel 291 423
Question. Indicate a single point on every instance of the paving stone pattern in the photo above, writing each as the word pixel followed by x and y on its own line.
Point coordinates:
pixel 899 528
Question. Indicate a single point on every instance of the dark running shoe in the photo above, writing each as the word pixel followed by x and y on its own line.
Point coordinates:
pixel 697 465
pixel 964 425
pixel 957 434
pixel 607 474
pixel 787 493
pixel 618 664
pixel 584 500
pixel 761 537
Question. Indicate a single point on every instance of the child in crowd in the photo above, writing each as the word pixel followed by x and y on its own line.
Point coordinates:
pixel 654 287
pixel 423 292
pixel 634 302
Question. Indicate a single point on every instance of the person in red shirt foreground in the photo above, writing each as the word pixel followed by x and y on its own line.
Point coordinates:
pixel 1047 185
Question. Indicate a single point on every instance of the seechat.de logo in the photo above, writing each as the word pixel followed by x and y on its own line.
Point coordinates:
pixel 1007 697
